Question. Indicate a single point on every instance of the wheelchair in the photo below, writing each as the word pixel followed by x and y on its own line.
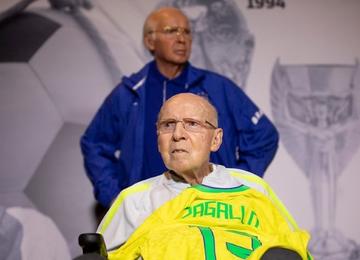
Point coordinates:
pixel 93 247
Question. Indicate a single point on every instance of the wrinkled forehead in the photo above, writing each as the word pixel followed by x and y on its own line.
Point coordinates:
pixel 172 18
pixel 180 108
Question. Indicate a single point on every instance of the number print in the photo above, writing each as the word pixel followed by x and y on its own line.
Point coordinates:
pixel 259 4
pixel 236 250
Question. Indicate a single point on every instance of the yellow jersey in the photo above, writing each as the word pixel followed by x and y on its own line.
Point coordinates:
pixel 214 223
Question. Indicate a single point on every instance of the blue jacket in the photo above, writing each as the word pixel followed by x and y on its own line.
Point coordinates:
pixel 112 145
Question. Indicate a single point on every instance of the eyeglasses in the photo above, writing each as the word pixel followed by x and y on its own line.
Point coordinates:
pixel 172 31
pixel 189 124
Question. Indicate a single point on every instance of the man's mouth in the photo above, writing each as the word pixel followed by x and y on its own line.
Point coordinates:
pixel 179 151
pixel 180 52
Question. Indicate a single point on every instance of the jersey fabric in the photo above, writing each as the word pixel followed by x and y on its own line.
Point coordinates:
pixel 214 223
pixel 113 143
pixel 136 203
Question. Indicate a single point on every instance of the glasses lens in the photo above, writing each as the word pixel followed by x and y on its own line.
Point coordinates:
pixel 175 30
pixel 189 124
pixel 192 125
pixel 167 126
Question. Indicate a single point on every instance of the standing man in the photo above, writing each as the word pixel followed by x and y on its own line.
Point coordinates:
pixel 119 146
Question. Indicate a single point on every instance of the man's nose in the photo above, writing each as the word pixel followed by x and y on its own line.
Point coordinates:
pixel 179 131
pixel 180 36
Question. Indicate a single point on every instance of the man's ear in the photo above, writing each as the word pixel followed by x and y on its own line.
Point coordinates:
pixel 149 42
pixel 216 140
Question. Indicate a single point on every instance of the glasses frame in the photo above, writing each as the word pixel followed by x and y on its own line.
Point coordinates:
pixel 172 31
pixel 203 125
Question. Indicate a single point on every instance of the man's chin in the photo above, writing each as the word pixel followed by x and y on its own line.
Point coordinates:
pixel 180 59
pixel 179 168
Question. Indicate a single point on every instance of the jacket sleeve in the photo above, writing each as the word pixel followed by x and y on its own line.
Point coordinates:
pixel 257 137
pixel 99 145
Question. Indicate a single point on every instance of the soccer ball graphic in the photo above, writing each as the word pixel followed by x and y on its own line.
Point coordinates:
pixel 53 79
pixel 56 67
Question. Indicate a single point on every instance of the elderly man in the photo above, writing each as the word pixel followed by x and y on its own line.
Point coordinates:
pixel 119 146
pixel 190 209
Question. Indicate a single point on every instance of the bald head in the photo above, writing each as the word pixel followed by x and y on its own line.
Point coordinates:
pixel 167 36
pixel 155 17
pixel 186 147
pixel 196 104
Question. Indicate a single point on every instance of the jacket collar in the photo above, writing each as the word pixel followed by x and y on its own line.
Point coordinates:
pixel 136 81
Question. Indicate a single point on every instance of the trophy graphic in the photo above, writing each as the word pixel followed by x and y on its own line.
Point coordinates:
pixel 317 111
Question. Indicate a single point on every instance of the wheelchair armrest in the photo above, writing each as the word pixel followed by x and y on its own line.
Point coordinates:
pixel 93 243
